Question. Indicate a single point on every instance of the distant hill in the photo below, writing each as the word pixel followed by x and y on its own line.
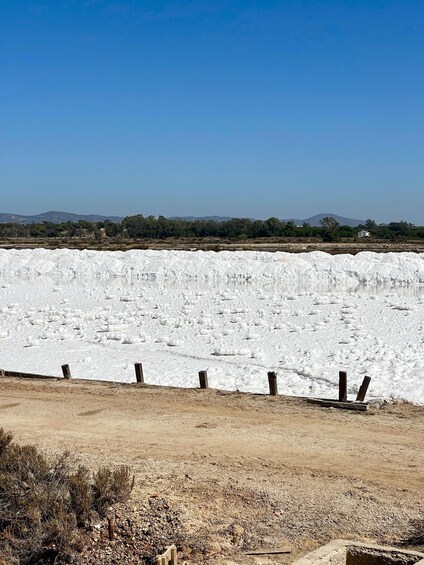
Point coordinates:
pixel 63 217
pixel 202 218
pixel 55 218
pixel 315 220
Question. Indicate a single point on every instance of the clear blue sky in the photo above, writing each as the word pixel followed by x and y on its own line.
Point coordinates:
pixel 240 108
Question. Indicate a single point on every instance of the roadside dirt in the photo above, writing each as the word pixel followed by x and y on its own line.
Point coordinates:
pixel 286 244
pixel 245 471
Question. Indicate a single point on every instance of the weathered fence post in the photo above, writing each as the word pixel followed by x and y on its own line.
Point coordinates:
pixel 363 389
pixel 272 382
pixel 342 386
pixel 66 372
pixel 139 375
pixel 111 528
pixel 203 379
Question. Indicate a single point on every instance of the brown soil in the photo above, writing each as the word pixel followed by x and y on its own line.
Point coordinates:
pixel 287 244
pixel 245 471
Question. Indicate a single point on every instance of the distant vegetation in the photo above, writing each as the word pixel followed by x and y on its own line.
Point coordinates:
pixel 151 227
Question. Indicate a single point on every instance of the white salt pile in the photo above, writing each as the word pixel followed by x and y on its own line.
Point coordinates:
pixel 236 315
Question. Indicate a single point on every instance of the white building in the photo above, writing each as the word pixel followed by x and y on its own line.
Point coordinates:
pixel 364 233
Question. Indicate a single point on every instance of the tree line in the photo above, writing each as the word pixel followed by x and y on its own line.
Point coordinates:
pixel 152 227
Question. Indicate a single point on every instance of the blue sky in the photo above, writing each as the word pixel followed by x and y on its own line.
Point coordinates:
pixel 236 108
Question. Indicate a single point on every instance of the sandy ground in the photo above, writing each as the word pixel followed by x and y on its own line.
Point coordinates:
pixel 245 470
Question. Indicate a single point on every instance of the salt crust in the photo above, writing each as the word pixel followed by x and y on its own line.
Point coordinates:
pixel 237 315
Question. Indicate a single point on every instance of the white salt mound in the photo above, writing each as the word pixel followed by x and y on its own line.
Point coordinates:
pixel 236 315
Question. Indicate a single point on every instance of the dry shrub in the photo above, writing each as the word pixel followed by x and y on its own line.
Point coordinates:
pixel 81 494
pixel 111 487
pixel 5 439
pixel 42 502
pixel 36 521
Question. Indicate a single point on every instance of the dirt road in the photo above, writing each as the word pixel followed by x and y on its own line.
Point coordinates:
pixel 245 470
pixel 286 244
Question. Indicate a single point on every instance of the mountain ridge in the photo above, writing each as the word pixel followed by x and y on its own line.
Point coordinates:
pixel 313 220
pixel 63 217
pixel 55 217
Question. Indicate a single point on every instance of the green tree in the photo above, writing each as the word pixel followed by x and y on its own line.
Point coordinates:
pixel 330 228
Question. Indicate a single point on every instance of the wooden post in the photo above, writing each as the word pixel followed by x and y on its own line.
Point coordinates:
pixel 66 372
pixel 342 386
pixel 363 389
pixel 169 557
pixel 139 373
pixel 111 528
pixel 203 379
pixel 272 381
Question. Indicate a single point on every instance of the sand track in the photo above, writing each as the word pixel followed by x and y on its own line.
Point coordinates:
pixel 286 471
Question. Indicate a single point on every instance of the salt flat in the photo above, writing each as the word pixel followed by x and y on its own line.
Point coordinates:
pixel 236 315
